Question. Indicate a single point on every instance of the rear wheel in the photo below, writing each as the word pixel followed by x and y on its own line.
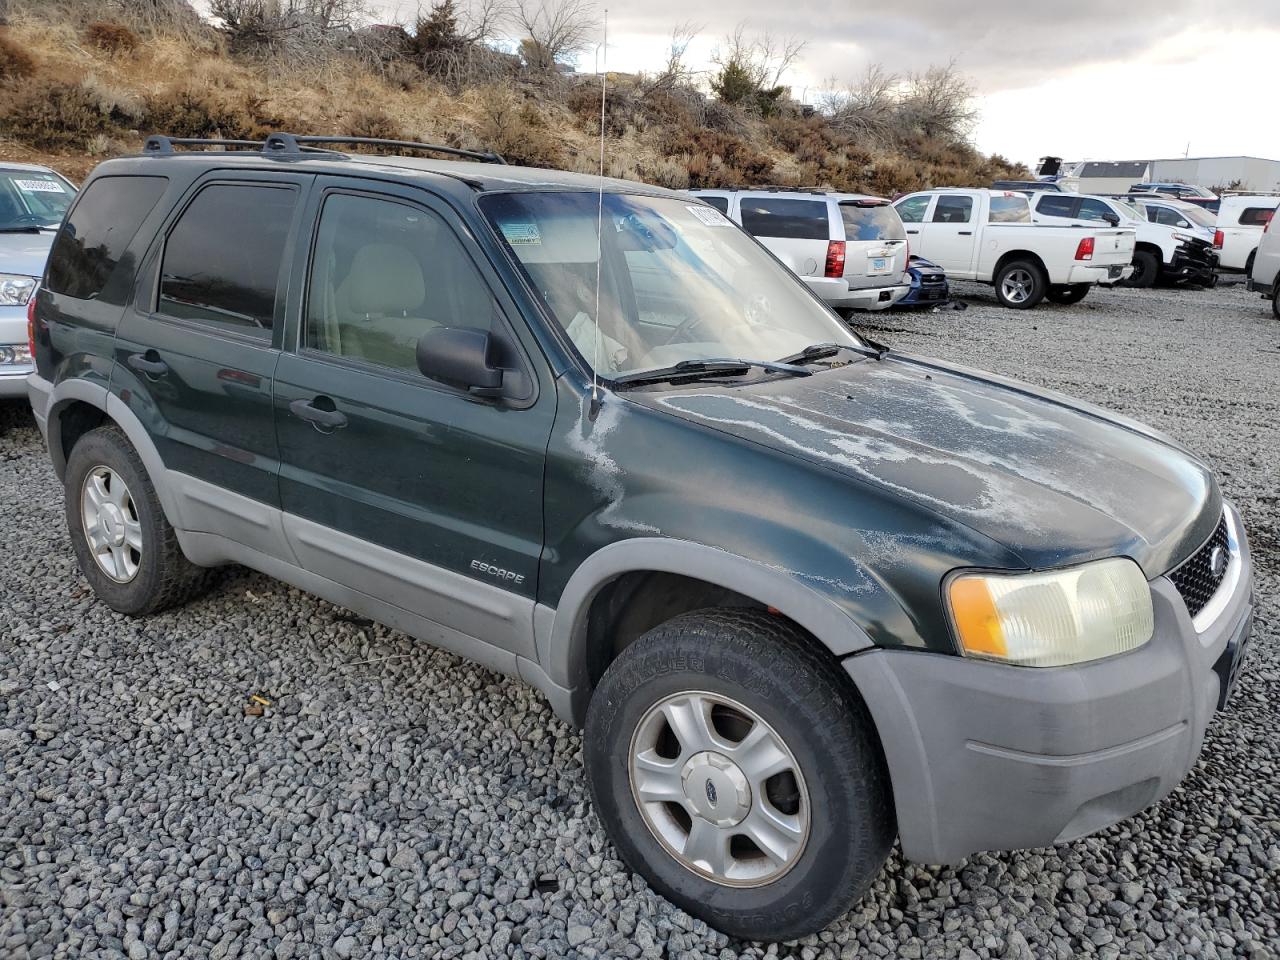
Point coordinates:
pixel 1146 268
pixel 125 547
pixel 1275 297
pixel 1067 293
pixel 1020 284
pixel 736 772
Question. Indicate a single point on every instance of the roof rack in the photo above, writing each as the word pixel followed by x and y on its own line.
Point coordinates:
pixel 292 145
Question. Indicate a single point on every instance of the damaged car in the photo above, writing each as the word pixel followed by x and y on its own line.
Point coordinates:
pixel 805 594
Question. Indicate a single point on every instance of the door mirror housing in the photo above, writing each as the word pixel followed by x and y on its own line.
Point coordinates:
pixel 1112 218
pixel 1183 224
pixel 462 357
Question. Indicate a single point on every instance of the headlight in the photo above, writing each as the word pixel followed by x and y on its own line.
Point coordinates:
pixel 1184 238
pixel 1048 619
pixel 15 291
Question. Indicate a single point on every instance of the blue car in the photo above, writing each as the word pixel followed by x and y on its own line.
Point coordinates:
pixel 929 287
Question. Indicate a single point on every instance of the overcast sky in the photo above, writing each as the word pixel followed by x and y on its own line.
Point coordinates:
pixel 1081 79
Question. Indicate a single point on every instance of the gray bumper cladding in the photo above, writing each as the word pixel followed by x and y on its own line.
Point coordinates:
pixel 989 757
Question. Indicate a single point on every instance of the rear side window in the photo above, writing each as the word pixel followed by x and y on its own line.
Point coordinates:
pixel 785 219
pixel 720 203
pixel 89 246
pixel 878 222
pixel 1057 206
pixel 1256 216
pixel 222 259
pixel 953 210
pixel 1010 209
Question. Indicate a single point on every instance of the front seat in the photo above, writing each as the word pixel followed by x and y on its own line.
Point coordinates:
pixel 380 303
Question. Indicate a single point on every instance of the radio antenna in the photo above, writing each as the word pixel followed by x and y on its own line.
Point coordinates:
pixel 604 84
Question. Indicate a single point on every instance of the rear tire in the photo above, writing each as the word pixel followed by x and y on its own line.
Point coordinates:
pixel 1067 293
pixel 1275 297
pixel 729 680
pixel 125 547
pixel 1146 268
pixel 1020 284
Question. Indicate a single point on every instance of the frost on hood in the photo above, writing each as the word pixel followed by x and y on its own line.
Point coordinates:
pixel 589 439
pixel 963 448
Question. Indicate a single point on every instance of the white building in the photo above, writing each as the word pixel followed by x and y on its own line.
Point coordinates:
pixel 1253 173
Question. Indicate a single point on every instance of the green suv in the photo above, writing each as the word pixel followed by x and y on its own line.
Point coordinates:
pixel 805 595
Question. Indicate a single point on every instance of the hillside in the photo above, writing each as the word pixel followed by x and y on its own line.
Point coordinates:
pixel 74 92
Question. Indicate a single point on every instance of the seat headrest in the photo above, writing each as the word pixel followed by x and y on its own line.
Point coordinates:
pixel 384 278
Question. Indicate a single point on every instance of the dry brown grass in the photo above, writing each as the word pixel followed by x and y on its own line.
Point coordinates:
pixel 111 37
pixel 15 62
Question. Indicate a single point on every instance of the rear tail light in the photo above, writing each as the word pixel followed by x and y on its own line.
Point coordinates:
pixel 1084 251
pixel 31 324
pixel 1217 239
pixel 835 259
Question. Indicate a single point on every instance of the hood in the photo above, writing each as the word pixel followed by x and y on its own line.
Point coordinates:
pixel 1054 480
pixel 25 253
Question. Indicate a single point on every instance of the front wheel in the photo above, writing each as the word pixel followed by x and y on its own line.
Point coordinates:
pixel 1146 268
pixel 1067 293
pixel 1020 284
pixel 1275 297
pixel 734 770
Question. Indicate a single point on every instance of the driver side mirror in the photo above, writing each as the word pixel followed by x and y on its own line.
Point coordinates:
pixel 1183 223
pixel 462 357
pixel 1112 218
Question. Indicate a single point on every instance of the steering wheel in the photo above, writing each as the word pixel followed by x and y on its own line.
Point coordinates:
pixel 684 330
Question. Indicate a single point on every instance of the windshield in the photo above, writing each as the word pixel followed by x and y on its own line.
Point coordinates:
pixel 32 199
pixel 678 281
pixel 1133 211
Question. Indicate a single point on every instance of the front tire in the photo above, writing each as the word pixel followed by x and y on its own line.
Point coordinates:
pixel 1020 284
pixel 125 547
pixel 735 770
pixel 1275 297
pixel 1146 268
pixel 1067 293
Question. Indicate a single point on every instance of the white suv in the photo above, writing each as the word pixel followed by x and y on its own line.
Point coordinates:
pixel 1240 223
pixel 1264 276
pixel 850 249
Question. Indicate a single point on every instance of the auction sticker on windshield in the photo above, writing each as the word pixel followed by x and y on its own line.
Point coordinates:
pixel 40 186
pixel 710 216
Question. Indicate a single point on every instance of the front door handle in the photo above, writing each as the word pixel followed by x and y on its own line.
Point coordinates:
pixel 966 233
pixel 307 410
pixel 148 363
pixel 913 231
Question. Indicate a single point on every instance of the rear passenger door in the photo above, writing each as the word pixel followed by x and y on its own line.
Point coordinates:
pixel 796 230
pixel 400 487
pixel 196 352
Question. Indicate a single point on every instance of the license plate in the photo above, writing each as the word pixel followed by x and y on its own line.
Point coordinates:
pixel 879 265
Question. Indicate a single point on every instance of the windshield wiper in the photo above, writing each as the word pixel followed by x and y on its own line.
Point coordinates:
pixel 821 351
pixel 701 369
pixel 24 228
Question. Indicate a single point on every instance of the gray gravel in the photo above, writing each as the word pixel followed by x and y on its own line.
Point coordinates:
pixel 396 801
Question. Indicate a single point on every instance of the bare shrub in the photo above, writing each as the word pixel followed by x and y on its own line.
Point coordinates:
pixel 516 130
pixel 296 31
pixel 15 62
pixel 52 115
pixel 750 69
pixel 110 37
pixel 553 31
pixel 119 103
pixel 188 112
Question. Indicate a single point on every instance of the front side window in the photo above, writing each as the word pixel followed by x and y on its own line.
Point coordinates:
pixel 677 281
pixel 222 259
pixel 1095 210
pixel 870 221
pixel 1056 206
pixel 1256 216
pixel 1010 208
pixel 912 209
pixel 785 219
pixel 92 242
pixel 953 210
pixel 383 274
pixel 32 200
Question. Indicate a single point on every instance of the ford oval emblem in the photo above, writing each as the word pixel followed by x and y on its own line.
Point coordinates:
pixel 1218 562
pixel 711 792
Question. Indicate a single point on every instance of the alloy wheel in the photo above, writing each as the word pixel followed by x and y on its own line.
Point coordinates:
pixel 1017 285
pixel 719 789
pixel 111 524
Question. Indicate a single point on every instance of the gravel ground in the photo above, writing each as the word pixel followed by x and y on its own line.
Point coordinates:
pixel 396 801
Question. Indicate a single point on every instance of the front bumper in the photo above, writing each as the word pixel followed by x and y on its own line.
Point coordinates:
pixel 1099 273
pixel 13 380
pixel 837 293
pixel 984 756
pixel 1194 263
pixel 927 290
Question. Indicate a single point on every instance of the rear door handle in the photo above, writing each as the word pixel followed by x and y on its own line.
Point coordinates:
pixel 148 363
pixel 966 233
pixel 307 410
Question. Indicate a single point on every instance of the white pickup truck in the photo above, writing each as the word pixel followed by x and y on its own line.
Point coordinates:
pixel 989 236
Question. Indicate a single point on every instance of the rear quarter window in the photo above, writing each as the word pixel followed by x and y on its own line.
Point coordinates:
pixel 87 252
pixel 720 203
pixel 785 219
pixel 1009 209
pixel 878 222
pixel 1256 216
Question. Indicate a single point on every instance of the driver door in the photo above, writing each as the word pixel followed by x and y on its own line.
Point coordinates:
pixel 398 486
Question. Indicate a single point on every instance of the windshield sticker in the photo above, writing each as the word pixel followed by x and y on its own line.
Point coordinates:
pixel 522 234
pixel 709 215
pixel 40 186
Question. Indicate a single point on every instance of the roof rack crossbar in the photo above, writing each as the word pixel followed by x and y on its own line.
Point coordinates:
pixel 288 143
